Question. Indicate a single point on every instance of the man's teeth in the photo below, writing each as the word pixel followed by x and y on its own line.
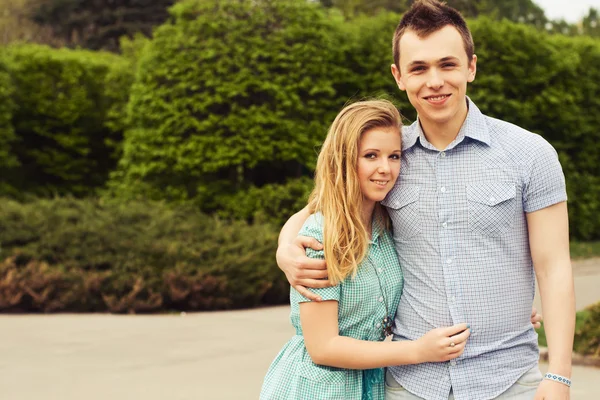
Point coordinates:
pixel 438 98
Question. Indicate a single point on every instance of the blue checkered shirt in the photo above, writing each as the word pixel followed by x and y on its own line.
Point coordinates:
pixel 460 229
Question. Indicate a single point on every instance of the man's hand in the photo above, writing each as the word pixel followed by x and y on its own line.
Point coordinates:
pixel 300 270
pixel 550 390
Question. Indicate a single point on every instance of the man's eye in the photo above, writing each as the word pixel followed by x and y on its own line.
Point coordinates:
pixel 418 69
pixel 448 65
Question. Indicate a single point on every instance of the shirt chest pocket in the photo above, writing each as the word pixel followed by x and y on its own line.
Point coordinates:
pixel 403 207
pixel 492 207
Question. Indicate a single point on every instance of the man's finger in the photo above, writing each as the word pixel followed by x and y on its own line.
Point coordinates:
pixel 307 293
pixel 312 274
pixel 314 283
pixel 311 263
pixel 306 241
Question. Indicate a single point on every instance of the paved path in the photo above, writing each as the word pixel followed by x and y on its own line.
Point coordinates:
pixel 171 357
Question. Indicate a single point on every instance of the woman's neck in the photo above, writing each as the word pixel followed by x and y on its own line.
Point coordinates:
pixel 367 216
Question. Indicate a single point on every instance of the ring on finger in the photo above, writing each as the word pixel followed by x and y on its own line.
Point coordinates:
pixel 452 344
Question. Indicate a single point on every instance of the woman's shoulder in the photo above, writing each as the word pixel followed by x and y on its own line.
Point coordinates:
pixel 313 227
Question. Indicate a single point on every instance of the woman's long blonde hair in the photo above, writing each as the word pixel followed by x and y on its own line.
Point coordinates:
pixel 337 193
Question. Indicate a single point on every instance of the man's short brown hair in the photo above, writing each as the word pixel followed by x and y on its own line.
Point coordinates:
pixel 428 16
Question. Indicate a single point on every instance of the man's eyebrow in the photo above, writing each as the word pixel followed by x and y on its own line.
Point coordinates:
pixel 416 63
pixel 448 58
pixel 441 60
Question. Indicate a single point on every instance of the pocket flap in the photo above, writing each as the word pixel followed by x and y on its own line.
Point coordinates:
pixel 401 196
pixel 491 193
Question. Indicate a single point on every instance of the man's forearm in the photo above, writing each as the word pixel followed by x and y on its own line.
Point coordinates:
pixel 292 226
pixel 558 304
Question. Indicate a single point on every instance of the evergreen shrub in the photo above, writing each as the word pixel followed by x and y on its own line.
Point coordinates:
pixel 68 119
pixel 587 336
pixel 92 255
pixel 8 161
pixel 231 95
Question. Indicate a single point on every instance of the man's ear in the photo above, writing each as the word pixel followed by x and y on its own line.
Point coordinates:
pixel 472 69
pixel 398 77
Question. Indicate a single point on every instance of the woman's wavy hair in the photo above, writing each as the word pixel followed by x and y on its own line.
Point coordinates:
pixel 337 193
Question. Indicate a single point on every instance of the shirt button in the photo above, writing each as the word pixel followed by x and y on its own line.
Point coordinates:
pixel 443 154
pixel 379 270
pixel 445 224
pixel 378 325
pixel 380 299
pixel 449 261
pixel 443 189
pixel 452 299
pixel 453 363
pixel 492 199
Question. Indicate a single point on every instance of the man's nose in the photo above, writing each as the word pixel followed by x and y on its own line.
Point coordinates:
pixel 435 79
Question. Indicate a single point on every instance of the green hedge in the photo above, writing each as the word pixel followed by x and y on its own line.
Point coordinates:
pixel 8 161
pixel 69 117
pixel 271 203
pixel 92 255
pixel 231 95
pixel 587 333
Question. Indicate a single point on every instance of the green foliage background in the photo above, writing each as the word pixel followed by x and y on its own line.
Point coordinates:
pixel 68 119
pixel 222 112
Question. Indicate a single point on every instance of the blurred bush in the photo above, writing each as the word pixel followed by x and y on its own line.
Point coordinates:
pixel 229 96
pixel 587 336
pixel 92 255
pixel 68 120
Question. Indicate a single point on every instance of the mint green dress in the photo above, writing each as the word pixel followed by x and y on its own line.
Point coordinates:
pixel 361 310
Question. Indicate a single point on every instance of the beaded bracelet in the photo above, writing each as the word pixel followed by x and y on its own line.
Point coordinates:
pixel 558 378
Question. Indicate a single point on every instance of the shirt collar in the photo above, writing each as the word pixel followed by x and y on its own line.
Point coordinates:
pixel 474 127
pixel 377 229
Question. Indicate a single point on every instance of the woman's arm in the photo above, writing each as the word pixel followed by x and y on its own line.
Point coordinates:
pixel 326 347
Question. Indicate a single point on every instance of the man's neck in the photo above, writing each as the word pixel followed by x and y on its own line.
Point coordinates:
pixel 441 135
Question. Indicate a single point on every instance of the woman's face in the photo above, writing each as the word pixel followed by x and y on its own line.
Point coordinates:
pixel 378 162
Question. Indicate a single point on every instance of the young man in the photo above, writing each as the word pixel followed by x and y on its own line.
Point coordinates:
pixel 479 206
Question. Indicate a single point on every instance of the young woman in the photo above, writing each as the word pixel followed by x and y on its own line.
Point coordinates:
pixel 338 351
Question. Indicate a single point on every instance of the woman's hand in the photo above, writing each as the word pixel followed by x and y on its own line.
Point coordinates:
pixel 442 344
pixel 536 319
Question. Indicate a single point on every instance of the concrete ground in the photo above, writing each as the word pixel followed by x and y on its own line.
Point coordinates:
pixel 220 355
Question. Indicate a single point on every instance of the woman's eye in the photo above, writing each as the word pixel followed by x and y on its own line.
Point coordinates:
pixel 395 156
pixel 370 155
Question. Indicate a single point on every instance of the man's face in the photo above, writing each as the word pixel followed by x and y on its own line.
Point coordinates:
pixel 434 72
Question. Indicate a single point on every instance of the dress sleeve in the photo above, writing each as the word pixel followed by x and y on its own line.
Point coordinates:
pixel 313 227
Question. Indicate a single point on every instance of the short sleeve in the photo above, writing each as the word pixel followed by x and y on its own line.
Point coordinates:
pixel 545 183
pixel 313 227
